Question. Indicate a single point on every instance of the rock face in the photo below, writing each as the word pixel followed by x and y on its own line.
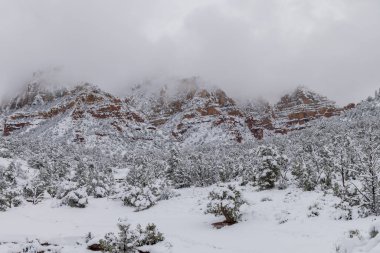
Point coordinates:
pixel 192 114
pixel 188 113
pixel 80 113
pixel 294 111
pixel 260 118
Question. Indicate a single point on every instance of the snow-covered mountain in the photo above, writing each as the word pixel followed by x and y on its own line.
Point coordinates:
pixel 297 109
pixel 188 112
pixel 82 114
pixel 85 157
pixel 193 114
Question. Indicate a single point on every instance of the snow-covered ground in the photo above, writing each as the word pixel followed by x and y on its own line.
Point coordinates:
pixel 280 224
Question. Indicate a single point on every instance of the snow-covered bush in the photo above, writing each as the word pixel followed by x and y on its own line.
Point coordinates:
pixel 139 197
pixel 10 191
pixel 124 242
pixel 359 241
pixel 312 165
pixel 72 196
pixel 76 198
pixel 304 175
pixel 51 174
pixel 144 188
pixel 145 170
pixel 266 199
pixel 149 235
pixel 86 179
pixel 284 164
pixel 10 198
pixel 268 169
pixel 225 201
pixel 282 217
pixel 34 191
pixel 202 170
pixel 314 210
pixel 181 177
pixel 144 197
pixel 343 211
pixel 373 231
pixel 95 177
pixel 198 168
pixel 128 239
pixel 33 246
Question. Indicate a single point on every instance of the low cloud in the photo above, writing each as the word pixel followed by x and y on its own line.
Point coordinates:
pixel 249 48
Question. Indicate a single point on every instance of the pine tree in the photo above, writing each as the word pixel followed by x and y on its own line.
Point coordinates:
pixel 10 191
pixel 268 169
pixel 181 176
pixel 128 239
pixel 225 201
pixel 173 164
pixel 149 236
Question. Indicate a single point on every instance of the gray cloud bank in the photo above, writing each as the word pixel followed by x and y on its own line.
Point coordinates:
pixel 249 48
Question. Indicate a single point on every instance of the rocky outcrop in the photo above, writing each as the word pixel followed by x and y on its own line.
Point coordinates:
pixel 187 113
pixel 79 112
pixel 296 110
pixel 192 113
pixel 259 116
pixel 302 106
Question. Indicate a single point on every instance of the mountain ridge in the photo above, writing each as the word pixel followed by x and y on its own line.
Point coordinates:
pixel 189 112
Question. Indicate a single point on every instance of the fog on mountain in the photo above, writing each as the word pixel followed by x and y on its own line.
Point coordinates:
pixel 189 126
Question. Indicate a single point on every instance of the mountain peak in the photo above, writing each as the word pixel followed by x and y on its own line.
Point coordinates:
pixel 186 110
pixel 32 94
pixel 86 87
pixel 303 105
pixel 303 96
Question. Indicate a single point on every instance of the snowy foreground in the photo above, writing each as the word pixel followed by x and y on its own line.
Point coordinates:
pixel 281 223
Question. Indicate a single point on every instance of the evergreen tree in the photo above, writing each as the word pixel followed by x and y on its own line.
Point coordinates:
pixel 225 201
pixel 10 191
pixel 268 169
pixel 172 164
pixel 128 239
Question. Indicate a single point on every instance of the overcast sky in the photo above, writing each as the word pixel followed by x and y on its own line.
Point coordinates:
pixel 250 48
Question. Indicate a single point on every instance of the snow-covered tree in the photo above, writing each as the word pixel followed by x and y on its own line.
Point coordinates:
pixel 124 242
pixel 10 190
pixel 149 235
pixel 144 197
pixel 225 201
pixel 368 155
pixel 128 239
pixel 309 167
pixel 95 177
pixel 34 191
pixel 172 164
pixel 139 197
pixel 76 198
pixel 268 169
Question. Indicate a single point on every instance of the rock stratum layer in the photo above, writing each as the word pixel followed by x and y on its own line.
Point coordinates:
pixel 188 114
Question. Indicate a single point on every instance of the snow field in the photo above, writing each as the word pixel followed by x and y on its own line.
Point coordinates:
pixel 274 221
